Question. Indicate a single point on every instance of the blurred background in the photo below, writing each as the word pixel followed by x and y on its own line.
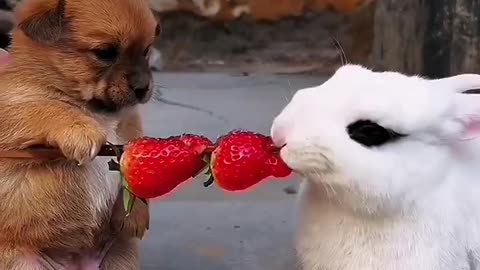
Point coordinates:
pixel 430 37
pixel 226 64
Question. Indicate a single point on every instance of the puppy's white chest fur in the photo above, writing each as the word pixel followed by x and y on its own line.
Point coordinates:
pixel 103 184
pixel 329 238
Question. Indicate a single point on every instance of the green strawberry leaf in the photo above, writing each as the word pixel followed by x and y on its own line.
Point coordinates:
pixel 128 197
pixel 124 182
pixel 128 201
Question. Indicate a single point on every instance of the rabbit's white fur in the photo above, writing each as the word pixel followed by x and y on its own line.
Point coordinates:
pixel 410 204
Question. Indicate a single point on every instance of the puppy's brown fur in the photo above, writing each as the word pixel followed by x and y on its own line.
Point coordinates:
pixel 79 69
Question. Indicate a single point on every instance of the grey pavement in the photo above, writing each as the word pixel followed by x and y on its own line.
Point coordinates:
pixel 205 228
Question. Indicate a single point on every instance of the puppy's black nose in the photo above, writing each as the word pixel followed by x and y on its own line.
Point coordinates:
pixel 140 92
pixel 139 83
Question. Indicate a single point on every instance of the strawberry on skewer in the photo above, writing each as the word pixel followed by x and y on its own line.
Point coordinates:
pixel 153 167
pixel 242 159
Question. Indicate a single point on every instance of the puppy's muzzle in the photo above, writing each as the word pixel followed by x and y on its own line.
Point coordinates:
pixel 139 80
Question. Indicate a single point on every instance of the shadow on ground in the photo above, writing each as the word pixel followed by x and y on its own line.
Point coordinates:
pixel 205 228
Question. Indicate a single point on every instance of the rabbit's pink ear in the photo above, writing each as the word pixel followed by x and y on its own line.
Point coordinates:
pixel 471 130
pixel 458 83
pixel 468 113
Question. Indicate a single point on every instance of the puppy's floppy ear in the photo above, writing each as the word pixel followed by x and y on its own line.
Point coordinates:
pixel 43 21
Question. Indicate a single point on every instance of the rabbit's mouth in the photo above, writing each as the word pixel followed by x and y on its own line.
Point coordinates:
pixel 308 160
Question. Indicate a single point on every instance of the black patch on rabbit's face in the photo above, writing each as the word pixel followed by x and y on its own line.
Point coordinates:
pixel 472 92
pixel 369 133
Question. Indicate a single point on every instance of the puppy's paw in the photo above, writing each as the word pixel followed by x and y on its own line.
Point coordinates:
pixel 138 222
pixel 80 141
pixel 134 225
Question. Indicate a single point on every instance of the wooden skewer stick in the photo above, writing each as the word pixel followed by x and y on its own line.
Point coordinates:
pixel 52 153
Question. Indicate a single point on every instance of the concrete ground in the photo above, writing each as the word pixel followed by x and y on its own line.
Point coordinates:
pixel 205 228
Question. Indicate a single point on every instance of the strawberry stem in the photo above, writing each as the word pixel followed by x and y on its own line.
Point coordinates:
pixel 207 156
pixel 209 181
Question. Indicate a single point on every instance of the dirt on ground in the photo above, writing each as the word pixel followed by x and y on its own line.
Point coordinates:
pixel 293 45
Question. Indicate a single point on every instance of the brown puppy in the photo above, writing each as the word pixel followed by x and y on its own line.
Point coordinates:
pixel 79 69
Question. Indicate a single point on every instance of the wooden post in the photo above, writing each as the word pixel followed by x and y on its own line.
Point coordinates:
pixel 433 38
pixel 465 46
pixel 399 36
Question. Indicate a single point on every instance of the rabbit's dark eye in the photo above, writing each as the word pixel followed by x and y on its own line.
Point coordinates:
pixel 369 133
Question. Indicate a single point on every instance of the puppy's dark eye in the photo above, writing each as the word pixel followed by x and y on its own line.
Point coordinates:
pixel 107 54
pixel 369 133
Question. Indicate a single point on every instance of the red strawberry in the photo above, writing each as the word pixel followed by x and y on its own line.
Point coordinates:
pixel 278 166
pixel 243 159
pixel 153 167
pixel 198 143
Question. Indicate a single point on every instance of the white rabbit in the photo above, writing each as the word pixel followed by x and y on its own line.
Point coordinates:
pixel 392 171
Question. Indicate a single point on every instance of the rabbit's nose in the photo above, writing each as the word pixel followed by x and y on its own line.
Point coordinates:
pixel 279 135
